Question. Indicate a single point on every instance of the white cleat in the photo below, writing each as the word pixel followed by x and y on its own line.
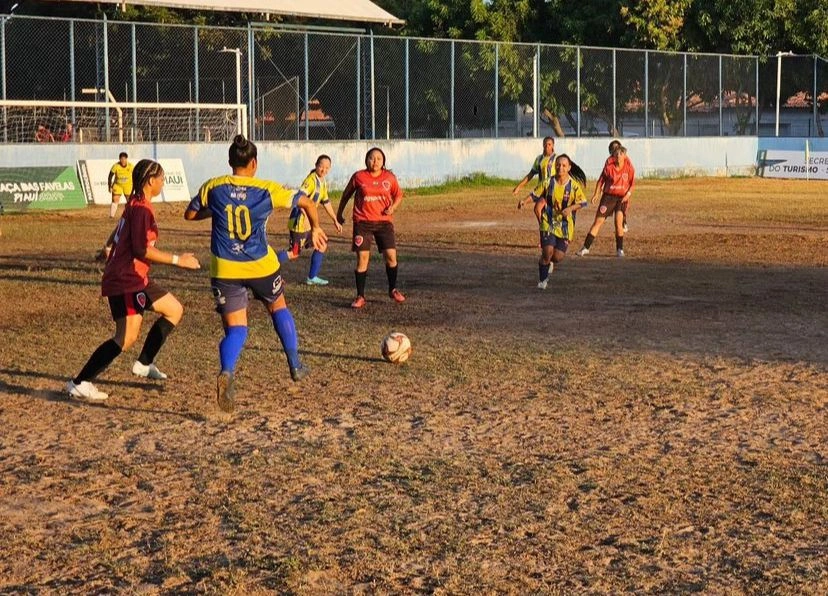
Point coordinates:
pixel 85 391
pixel 619 253
pixel 542 284
pixel 149 371
pixel 583 252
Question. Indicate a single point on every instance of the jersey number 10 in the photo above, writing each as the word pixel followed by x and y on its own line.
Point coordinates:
pixel 238 222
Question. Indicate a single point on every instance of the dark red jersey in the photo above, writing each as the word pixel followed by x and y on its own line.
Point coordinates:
pixel 127 269
pixel 373 195
pixel 617 181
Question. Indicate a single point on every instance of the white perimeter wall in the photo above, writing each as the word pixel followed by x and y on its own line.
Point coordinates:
pixel 422 162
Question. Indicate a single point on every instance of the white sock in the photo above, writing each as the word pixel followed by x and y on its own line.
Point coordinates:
pixel 113 209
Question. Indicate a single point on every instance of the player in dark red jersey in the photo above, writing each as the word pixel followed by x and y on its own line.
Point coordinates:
pixel 377 195
pixel 127 285
pixel 615 188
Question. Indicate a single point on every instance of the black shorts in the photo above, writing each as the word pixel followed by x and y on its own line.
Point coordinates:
pixel 231 294
pixel 135 303
pixel 611 204
pixel 298 241
pixel 381 231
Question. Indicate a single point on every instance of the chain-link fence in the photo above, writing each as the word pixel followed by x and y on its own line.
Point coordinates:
pixel 342 85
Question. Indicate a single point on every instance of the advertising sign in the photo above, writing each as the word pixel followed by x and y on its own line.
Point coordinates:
pixel 804 165
pixel 23 189
pixel 94 173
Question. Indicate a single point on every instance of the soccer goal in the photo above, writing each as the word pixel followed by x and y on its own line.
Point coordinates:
pixel 43 121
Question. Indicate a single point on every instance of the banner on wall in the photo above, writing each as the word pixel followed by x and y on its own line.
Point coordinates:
pixel 30 188
pixel 94 175
pixel 805 165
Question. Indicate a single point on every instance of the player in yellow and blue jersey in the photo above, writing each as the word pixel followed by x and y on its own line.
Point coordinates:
pixel 316 187
pixel 241 258
pixel 119 181
pixel 544 168
pixel 556 214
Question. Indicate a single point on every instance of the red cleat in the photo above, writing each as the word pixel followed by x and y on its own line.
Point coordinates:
pixel 359 302
pixel 397 296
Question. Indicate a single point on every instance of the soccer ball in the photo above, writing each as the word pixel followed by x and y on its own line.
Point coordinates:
pixel 396 347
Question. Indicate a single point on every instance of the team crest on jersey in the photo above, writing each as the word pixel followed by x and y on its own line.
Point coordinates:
pixel 277 285
pixel 358 240
pixel 141 299
pixel 386 185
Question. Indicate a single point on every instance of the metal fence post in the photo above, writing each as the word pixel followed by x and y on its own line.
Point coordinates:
pixel 451 117
pixel 307 91
pixel 358 91
pixel 106 73
pixel 72 69
pixel 373 93
pixel 251 82
pixel 814 96
pixel 134 44
pixel 578 85
pixel 614 94
pixel 195 82
pixel 535 93
pixel 684 95
pixel 721 99
pixel 497 91
pixel 646 93
pixel 3 74
pixel 407 91
pixel 756 117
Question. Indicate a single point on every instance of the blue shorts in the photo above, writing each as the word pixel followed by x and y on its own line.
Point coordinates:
pixel 549 239
pixel 231 294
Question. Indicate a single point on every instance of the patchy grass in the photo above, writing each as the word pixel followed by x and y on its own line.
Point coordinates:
pixel 653 424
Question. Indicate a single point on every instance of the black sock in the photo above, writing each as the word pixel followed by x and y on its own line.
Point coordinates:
pixel 619 243
pixel 155 339
pixel 588 241
pixel 361 277
pixel 98 361
pixel 391 272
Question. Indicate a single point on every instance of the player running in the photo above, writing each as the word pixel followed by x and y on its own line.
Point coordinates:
pixel 242 259
pixel 556 214
pixel 119 182
pixel 544 168
pixel 615 187
pixel 131 250
pixel 377 195
pixel 316 187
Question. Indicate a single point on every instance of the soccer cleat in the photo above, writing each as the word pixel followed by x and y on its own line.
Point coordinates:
pixel 583 252
pixel 299 373
pixel 150 371
pixel 225 391
pixel 359 302
pixel 316 281
pixel 542 284
pixel 619 253
pixel 396 296
pixel 85 391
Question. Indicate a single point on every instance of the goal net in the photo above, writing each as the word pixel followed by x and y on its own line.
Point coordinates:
pixel 122 122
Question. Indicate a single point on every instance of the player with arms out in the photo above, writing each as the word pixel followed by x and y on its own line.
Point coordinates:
pixel 316 187
pixel 556 214
pixel 377 195
pixel 130 292
pixel 241 258
pixel 615 188
pixel 119 181
pixel 544 168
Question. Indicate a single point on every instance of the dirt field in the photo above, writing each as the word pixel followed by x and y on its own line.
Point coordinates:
pixel 653 424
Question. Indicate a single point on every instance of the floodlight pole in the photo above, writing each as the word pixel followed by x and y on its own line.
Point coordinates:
pixel 241 126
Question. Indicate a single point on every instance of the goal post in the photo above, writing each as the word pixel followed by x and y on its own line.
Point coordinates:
pixel 38 121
